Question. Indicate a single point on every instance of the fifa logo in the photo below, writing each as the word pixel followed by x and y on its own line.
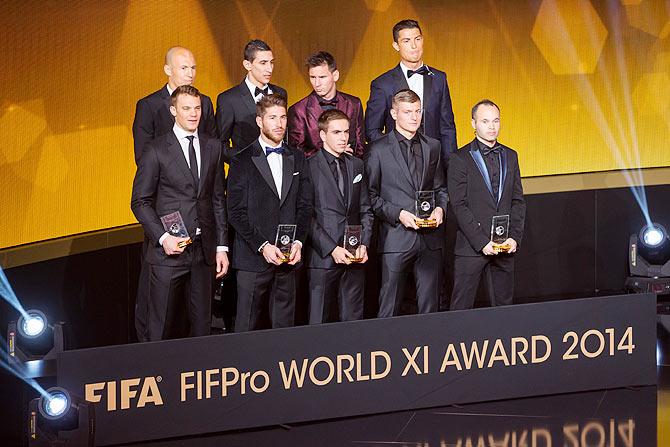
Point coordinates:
pixel 126 393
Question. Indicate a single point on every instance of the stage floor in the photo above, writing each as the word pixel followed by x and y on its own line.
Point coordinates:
pixel 627 417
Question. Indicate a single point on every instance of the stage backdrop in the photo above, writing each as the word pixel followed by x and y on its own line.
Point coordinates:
pixel 583 85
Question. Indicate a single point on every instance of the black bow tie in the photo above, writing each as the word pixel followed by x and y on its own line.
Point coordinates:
pixel 487 150
pixel 276 150
pixel 328 102
pixel 259 91
pixel 422 70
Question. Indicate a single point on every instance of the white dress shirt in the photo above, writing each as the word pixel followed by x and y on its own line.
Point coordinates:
pixel 252 89
pixel 276 164
pixel 415 82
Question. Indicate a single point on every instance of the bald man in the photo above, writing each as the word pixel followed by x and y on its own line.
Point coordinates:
pixel 152 114
pixel 153 119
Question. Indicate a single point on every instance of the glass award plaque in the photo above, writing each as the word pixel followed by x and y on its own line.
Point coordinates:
pixel 500 233
pixel 352 240
pixel 284 240
pixel 175 226
pixel 424 206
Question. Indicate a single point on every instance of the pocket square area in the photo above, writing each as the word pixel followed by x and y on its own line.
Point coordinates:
pixel 358 178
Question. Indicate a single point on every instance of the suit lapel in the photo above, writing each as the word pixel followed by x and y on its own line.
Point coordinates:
pixel 425 153
pixel 395 150
pixel 399 79
pixel 178 156
pixel 205 156
pixel 479 161
pixel 503 171
pixel 261 162
pixel 350 175
pixel 328 175
pixel 246 98
pixel 165 110
pixel 288 163
pixel 427 90
pixel 313 108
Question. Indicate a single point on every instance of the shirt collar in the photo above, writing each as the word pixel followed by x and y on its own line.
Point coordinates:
pixel 251 86
pixel 264 144
pixel 404 68
pixel 170 90
pixel 181 133
pixel 481 145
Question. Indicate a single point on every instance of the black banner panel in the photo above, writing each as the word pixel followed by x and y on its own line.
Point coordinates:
pixel 210 384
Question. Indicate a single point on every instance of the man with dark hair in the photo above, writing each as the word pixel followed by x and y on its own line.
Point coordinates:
pixel 429 83
pixel 405 170
pixel 484 181
pixel 236 107
pixel 303 130
pixel 268 185
pixel 182 171
pixel 336 275
pixel 152 119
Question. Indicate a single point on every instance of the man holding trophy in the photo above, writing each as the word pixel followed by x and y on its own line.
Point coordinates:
pixel 487 198
pixel 270 207
pixel 341 225
pixel 179 198
pixel 408 195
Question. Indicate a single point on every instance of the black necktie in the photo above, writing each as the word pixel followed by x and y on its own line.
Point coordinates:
pixel 411 164
pixel 422 70
pixel 259 91
pixel 193 161
pixel 340 177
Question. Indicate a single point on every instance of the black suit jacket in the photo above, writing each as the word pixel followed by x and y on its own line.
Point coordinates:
pixel 255 209
pixel 163 184
pixel 473 202
pixel 236 117
pixel 332 212
pixel 438 117
pixel 392 190
pixel 153 118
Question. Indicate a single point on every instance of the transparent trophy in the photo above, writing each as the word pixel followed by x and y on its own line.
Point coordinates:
pixel 425 204
pixel 352 240
pixel 284 240
pixel 175 226
pixel 500 233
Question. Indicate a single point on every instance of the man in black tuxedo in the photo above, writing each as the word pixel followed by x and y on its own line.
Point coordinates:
pixel 429 83
pixel 340 199
pixel 153 119
pixel 182 171
pixel 484 181
pixel 268 185
pixel 152 113
pixel 399 165
pixel 236 107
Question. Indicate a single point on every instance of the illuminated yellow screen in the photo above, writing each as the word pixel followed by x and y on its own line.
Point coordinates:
pixel 583 86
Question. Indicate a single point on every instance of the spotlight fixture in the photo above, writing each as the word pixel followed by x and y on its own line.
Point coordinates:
pixel 649 260
pixel 33 338
pixel 34 325
pixel 58 419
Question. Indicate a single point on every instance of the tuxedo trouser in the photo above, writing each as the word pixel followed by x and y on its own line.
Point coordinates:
pixel 171 286
pixel 426 264
pixel 342 288
pixel 271 290
pixel 498 280
pixel 142 300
